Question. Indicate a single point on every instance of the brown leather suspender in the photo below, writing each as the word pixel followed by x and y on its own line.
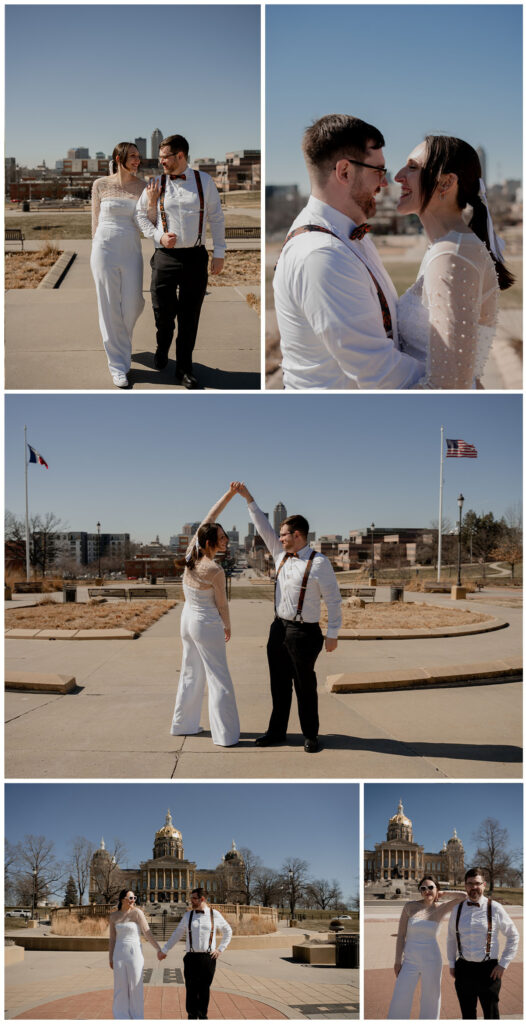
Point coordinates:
pixel 200 193
pixel 209 950
pixel 490 929
pixel 303 583
pixel 384 305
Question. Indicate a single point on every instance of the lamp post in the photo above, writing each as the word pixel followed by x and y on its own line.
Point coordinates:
pixel 460 502
pixel 33 901
pixel 372 581
pixel 291 895
pixel 98 546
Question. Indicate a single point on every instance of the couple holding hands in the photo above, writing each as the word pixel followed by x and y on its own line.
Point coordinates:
pixel 303 577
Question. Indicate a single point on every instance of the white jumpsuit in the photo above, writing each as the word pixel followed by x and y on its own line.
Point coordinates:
pixel 422 959
pixel 204 661
pixel 117 268
pixel 128 963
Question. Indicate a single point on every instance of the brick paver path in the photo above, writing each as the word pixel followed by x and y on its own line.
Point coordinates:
pixel 378 989
pixel 160 1003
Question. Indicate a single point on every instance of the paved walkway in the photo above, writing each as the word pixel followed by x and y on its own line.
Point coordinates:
pixel 380 928
pixel 427 733
pixel 248 985
pixel 53 338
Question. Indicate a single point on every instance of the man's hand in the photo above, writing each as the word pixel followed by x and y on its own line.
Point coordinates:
pixel 497 972
pixel 452 971
pixel 242 490
pixel 215 954
pixel 218 262
pixel 397 969
pixel 331 643
pixel 161 955
pixel 168 240
pixel 111 964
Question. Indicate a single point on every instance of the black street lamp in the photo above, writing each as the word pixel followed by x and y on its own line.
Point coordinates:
pixel 98 544
pixel 33 902
pixel 460 502
pixel 372 549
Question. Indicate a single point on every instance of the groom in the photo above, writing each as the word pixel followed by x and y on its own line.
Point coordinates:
pixel 335 302
pixel 188 199
pixel 303 576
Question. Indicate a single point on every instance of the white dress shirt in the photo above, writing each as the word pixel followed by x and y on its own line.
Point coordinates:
pixel 181 206
pixel 473 929
pixel 201 932
pixel 322 582
pixel 329 314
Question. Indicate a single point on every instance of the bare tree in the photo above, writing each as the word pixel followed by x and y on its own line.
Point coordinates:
pixel 107 876
pixel 79 863
pixel 324 894
pixel 39 873
pixel 267 889
pixel 492 853
pixel 43 529
pixel 294 876
pixel 11 856
pixel 249 869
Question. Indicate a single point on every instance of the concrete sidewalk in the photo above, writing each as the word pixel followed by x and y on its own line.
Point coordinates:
pixel 53 339
pixel 263 984
pixel 379 938
pixel 427 733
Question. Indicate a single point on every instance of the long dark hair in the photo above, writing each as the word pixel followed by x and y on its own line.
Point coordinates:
pixel 430 878
pixel 447 155
pixel 122 151
pixel 122 894
pixel 208 532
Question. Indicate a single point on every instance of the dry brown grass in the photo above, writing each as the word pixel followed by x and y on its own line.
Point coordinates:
pixel 72 924
pixel 253 925
pixel 242 266
pixel 255 302
pixel 28 269
pixel 404 615
pixel 136 616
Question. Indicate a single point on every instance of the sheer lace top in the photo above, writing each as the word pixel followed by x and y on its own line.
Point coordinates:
pixel 449 316
pixel 416 910
pixel 134 916
pixel 208 575
pixel 110 188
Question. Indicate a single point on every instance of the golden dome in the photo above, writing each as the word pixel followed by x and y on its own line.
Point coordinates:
pixel 168 829
pixel 399 818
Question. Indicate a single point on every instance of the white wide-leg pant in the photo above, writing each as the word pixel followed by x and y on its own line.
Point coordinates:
pixel 204 661
pixel 421 960
pixel 128 963
pixel 116 265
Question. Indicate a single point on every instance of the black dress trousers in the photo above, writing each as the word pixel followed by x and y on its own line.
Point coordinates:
pixel 199 970
pixel 292 650
pixel 178 287
pixel 472 982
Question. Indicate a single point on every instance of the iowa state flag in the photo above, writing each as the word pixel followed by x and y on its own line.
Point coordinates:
pixel 35 456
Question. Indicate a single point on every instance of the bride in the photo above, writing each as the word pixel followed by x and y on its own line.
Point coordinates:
pixel 116 256
pixel 449 316
pixel 205 628
pixel 418 953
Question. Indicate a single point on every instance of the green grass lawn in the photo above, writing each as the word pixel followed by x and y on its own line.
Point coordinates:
pixel 53 224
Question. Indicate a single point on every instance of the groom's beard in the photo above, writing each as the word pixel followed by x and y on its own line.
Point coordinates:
pixel 366 202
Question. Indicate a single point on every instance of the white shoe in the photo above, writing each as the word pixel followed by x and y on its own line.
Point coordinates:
pixel 120 380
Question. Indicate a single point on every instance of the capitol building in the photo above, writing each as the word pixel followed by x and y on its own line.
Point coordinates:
pixel 400 857
pixel 168 877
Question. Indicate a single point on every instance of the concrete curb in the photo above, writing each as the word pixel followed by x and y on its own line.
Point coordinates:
pixel 488 626
pixel 71 634
pixel 454 675
pixel 58 271
pixel 42 682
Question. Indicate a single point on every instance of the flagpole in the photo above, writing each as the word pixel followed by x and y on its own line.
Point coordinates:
pixel 27 505
pixel 439 556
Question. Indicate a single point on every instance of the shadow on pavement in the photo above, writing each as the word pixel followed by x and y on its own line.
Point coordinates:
pixel 456 751
pixel 208 376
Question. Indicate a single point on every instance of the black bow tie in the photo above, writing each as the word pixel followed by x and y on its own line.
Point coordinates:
pixel 358 233
pixel 174 177
pixel 198 911
pixel 470 904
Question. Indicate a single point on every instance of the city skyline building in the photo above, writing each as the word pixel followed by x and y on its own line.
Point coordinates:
pixel 279 514
pixel 156 139
pixel 140 142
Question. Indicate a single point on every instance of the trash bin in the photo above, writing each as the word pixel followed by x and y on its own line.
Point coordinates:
pixel 348 950
pixel 397 593
pixel 153 580
pixel 69 594
pixel 26 206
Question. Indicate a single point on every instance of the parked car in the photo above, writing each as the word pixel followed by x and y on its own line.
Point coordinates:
pixel 18 913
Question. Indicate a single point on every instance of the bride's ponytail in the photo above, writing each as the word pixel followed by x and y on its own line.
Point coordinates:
pixel 479 225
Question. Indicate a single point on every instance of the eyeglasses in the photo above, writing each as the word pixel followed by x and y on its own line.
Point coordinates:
pixel 381 171
pixel 427 888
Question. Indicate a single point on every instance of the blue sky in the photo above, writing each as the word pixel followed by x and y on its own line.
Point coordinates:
pixel 95 74
pixel 146 464
pixel 315 821
pixel 411 70
pixel 437 809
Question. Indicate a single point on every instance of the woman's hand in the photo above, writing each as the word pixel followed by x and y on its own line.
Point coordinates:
pixel 397 969
pixel 228 634
pixel 111 964
pixel 161 955
pixel 153 190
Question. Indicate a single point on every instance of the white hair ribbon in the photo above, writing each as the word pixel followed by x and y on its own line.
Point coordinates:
pixel 496 244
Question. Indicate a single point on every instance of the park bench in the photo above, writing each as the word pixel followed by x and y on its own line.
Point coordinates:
pixel 153 593
pixel 243 232
pixel 108 592
pixel 14 235
pixel 437 588
pixel 480 586
pixel 368 593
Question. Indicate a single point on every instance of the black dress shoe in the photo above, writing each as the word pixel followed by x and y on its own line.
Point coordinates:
pixel 160 360
pixel 311 746
pixel 187 380
pixel 266 740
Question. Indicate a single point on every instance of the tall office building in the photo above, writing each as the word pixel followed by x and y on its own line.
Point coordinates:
pixel 157 138
pixel 141 146
pixel 279 514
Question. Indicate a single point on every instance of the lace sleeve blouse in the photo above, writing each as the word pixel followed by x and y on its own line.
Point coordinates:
pixel 417 909
pixel 207 574
pixel 109 188
pixel 137 917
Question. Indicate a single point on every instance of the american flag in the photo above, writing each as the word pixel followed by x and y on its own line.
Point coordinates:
pixel 460 449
